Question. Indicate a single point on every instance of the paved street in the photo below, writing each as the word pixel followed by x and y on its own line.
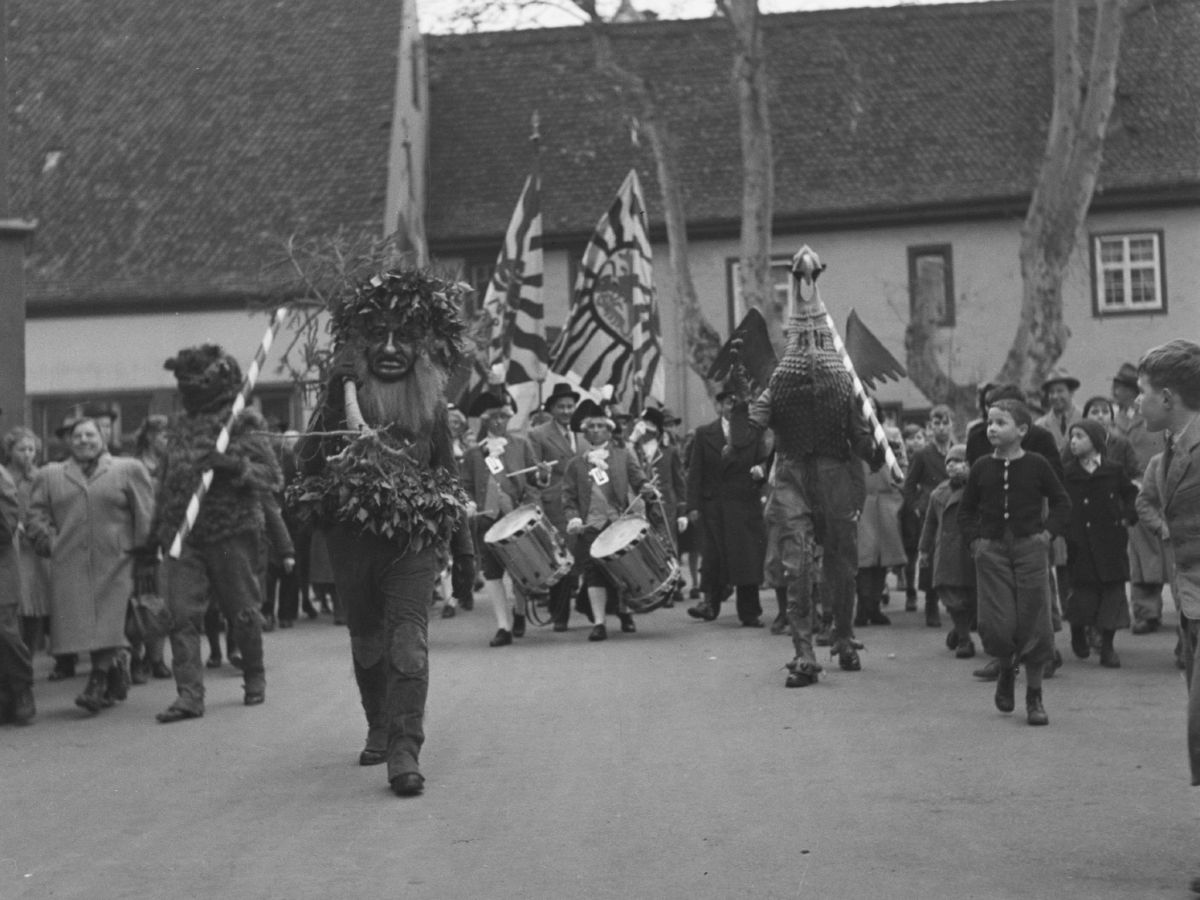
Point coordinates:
pixel 671 763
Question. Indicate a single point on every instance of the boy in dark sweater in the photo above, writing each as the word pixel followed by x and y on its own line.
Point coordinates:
pixel 1001 518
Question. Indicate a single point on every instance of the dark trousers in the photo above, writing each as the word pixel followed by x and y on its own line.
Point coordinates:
pixel 16 659
pixel 286 587
pixel 228 571
pixel 1013 586
pixel 748 605
pixel 869 583
pixel 386 596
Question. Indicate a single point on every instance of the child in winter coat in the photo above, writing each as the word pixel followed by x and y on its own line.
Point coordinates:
pixel 1102 509
pixel 944 552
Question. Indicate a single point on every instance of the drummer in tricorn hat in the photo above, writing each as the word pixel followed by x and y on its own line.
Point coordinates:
pixel 494 492
pixel 600 484
pixel 554 443
pixel 1058 397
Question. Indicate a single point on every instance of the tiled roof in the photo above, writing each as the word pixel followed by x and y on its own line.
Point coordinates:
pixel 873 109
pixel 166 149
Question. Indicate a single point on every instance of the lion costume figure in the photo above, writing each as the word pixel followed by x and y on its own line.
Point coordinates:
pixel 221 556
pixel 820 485
pixel 379 475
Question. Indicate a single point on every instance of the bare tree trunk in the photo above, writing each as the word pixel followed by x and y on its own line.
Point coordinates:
pixel 758 164
pixel 1065 186
pixel 1061 197
pixel 702 340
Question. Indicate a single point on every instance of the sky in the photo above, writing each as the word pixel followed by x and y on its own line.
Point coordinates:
pixel 439 16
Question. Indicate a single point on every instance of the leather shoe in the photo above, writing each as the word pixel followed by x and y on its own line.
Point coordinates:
pixel 990 672
pixel 255 698
pixel 449 612
pixel 160 669
pixel 1109 658
pixel 1006 681
pixel 1146 626
pixel 627 623
pixel 518 629
pixel 1053 666
pixel 560 626
pixel 951 638
pixel 879 618
pixel 702 611
pixel 502 639
pixel 752 623
pixel 598 633
pixel 409 784
pixel 372 757
pixel 965 650
pixel 177 714
pixel 214 662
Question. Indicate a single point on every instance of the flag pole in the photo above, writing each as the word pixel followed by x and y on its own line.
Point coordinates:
pixel 535 138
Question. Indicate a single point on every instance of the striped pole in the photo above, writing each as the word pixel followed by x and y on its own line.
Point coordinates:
pixel 860 392
pixel 239 404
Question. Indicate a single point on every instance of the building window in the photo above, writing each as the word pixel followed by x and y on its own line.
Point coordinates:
pixel 931 283
pixel 781 281
pixel 1127 273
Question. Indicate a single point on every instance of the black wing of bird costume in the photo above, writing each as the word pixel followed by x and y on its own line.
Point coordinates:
pixel 871 359
pixel 747 354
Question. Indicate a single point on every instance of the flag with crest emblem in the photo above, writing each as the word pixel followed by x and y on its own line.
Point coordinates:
pixel 612 332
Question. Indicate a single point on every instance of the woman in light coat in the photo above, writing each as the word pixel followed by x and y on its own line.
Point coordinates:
pixel 87 515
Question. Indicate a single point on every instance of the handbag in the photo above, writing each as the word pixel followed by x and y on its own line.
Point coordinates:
pixel 146 618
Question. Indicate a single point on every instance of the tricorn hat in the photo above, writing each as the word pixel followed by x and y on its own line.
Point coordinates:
pixel 485 403
pixel 655 417
pixel 561 390
pixel 1127 375
pixel 1060 376
pixel 588 409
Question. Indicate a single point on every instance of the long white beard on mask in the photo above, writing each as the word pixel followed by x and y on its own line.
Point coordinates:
pixel 411 402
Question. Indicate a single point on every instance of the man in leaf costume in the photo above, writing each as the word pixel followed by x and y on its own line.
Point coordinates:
pixel 379 475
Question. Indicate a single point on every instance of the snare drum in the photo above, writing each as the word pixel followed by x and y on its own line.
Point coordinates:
pixel 638 562
pixel 530 549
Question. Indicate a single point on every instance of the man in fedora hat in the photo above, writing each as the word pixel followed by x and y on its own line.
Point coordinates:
pixel 555 442
pixel 1058 395
pixel 724 502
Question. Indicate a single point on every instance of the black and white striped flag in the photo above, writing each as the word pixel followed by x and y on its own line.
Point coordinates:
pixel 612 332
pixel 513 300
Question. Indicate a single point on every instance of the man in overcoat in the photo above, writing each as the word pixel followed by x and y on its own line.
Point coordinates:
pixel 1169 378
pixel 724 500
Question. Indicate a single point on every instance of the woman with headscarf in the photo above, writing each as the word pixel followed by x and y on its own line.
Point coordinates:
pixel 89 515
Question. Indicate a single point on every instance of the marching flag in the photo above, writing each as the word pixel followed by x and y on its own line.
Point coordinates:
pixel 513 300
pixel 612 332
